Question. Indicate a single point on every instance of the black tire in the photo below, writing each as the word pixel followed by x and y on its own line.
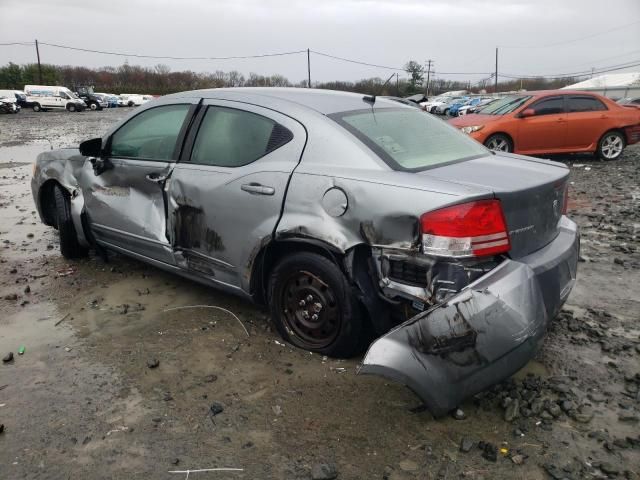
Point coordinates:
pixel 36 107
pixel 611 146
pixel 69 245
pixel 446 112
pixel 499 142
pixel 307 283
pixel 93 106
pixel 71 107
pixel 130 104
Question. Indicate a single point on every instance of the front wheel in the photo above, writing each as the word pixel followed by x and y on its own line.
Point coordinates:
pixel 71 107
pixel 499 143
pixel 314 306
pixel 611 146
pixel 93 106
pixel 69 245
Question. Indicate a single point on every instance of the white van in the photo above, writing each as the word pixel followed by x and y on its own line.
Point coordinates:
pixel 45 97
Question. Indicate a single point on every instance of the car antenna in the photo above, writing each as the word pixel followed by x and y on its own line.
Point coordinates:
pixel 369 99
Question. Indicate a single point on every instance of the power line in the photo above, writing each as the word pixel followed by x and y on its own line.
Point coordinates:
pixel 611 68
pixel 619 27
pixel 26 44
pixel 166 57
pixel 357 61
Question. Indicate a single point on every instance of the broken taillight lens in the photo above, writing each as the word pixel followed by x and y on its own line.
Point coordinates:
pixel 471 229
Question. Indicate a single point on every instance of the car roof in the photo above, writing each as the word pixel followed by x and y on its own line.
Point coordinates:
pixel 544 93
pixel 323 101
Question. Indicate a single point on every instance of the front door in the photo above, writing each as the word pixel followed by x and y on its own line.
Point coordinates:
pixel 227 191
pixel 124 199
pixel 546 130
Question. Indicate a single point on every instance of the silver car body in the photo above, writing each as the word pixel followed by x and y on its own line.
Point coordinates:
pixel 472 324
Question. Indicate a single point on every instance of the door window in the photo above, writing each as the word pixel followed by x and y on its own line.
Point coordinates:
pixel 151 135
pixel 228 137
pixel 548 106
pixel 585 104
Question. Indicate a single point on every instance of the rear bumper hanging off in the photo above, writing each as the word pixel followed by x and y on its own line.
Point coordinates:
pixel 483 334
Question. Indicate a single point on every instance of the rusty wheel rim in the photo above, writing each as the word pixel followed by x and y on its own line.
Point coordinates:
pixel 311 312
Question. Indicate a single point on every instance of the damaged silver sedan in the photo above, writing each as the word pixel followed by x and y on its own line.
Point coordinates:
pixel 353 218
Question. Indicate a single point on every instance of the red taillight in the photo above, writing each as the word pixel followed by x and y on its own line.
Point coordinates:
pixel 467 230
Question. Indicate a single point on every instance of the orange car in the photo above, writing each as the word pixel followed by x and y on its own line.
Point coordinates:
pixel 554 121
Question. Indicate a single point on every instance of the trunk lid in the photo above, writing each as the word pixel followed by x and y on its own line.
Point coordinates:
pixel 531 192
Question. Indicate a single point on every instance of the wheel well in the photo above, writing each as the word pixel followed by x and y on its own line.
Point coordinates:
pixel 617 130
pixel 513 143
pixel 47 201
pixel 269 256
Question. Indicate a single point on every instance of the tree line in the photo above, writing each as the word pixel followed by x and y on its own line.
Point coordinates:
pixel 160 80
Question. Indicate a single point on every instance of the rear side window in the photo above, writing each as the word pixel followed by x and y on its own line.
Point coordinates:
pixel 584 104
pixel 228 137
pixel 408 139
pixel 151 135
pixel 549 106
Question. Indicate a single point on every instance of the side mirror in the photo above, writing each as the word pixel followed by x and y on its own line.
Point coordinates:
pixel 528 112
pixel 91 148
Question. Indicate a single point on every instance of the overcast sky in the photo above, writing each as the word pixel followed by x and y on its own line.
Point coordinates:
pixel 460 36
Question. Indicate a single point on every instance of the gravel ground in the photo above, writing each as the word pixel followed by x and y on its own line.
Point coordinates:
pixel 111 385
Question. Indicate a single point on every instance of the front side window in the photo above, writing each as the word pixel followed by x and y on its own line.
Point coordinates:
pixel 584 104
pixel 548 106
pixel 407 139
pixel 228 137
pixel 151 135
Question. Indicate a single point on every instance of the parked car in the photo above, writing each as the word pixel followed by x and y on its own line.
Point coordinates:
pixel 351 217
pixel 8 105
pixel 93 100
pixel 110 100
pixel 137 100
pixel 466 109
pixel 46 97
pixel 431 105
pixel 20 97
pixel 629 101
pixel 454 108
pixel 442 108
pixel 554 121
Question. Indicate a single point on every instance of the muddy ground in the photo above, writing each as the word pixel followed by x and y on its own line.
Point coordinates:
pixel 82 402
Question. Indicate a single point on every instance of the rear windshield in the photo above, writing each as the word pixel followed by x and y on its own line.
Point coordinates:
pixel 409 139
pixel 504 105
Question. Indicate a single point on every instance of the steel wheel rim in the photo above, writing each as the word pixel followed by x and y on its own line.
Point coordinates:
pixel 612 146
pixel 310 310
pixel 498 144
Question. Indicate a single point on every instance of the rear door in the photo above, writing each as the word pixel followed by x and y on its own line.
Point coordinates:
pixel 546 130
pixel 587 121
pixel 227 192
pixel 125 203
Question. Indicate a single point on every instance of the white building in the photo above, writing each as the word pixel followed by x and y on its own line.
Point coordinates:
pixel 612 85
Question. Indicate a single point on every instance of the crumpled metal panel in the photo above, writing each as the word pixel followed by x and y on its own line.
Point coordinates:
pixel 481 335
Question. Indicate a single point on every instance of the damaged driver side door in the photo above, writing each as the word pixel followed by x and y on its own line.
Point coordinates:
pixel 124 188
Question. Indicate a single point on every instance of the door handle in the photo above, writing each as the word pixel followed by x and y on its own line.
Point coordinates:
pixel 156 178
pixel 256 188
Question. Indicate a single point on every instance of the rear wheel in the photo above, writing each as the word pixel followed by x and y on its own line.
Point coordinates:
pixel 611 146
pixel 93 106
pixel 314 307
pixel 499 143
pixel 69 245
pixel 446 112
pixel 36 107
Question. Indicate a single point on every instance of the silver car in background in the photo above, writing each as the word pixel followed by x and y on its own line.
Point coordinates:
pixel 351 217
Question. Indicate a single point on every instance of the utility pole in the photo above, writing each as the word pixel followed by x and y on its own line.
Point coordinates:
pixel 309 67
pixel 496 80
pixel 428 75
pixel 39 66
